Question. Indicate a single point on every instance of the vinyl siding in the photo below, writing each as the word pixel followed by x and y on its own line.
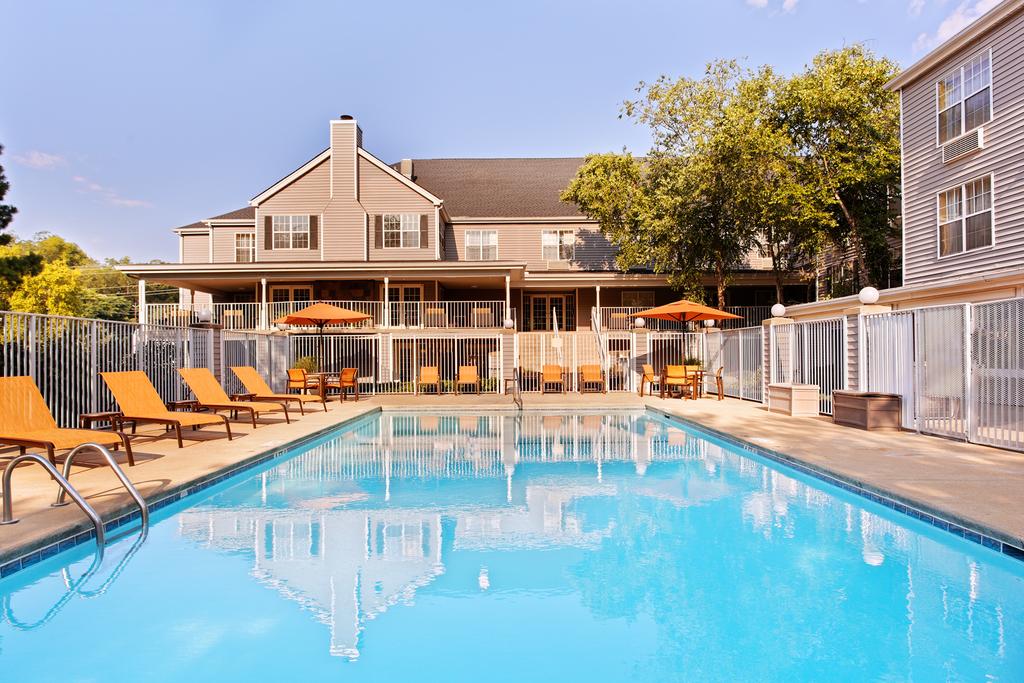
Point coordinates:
pixel 195 248
pixel 380 193
pixel 307 195
pixel 521 242
pixel 924 174
pixel 224 242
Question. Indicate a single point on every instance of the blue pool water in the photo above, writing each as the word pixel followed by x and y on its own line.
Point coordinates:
pixel 619 547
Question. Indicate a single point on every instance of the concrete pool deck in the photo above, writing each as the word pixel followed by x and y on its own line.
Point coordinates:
pixel 975 486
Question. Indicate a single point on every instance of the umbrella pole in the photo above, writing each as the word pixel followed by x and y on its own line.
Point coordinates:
pixel 321 354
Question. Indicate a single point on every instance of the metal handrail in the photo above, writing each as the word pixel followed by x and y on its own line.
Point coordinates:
pixel 517 390
pixel 109 457
pixel 8 507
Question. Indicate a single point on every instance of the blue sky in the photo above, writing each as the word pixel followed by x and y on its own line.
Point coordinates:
pixel 121 120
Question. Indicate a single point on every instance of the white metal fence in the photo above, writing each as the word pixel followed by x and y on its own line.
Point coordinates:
pixel 406 356
pixel 739 353
pixel 65 355
pixel 810 352
pixel 959 369
pixel 997 374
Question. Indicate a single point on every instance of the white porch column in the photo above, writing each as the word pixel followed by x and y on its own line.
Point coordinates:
pixel 387 302
pixel 508 299
pixel 143 313
pixel 264 315
pixel 598 289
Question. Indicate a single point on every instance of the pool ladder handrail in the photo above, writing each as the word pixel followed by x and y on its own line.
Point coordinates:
pixel 517 390
pixel 8 504
pixel 118 472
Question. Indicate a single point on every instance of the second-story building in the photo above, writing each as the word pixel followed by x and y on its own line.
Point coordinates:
pixel 420 243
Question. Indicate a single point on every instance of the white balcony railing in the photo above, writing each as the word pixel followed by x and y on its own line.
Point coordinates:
pixel 621 318
pixel 397 314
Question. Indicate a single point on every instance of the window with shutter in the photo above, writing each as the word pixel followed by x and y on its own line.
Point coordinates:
pixel 401 230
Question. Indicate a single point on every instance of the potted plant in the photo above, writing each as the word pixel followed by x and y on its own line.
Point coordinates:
pixel 307 363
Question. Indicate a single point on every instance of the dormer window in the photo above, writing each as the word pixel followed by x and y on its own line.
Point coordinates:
pixel 965 98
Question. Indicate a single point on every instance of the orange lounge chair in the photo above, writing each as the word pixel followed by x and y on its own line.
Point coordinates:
pixel 210 395
pixel 468 376
pixel 348 379
pixel 647 377
pixel 139 402
pixel 26 422
pixel 429 376
pixel 591 376
pixel 552 374
pixel 674 376
pixel 256 385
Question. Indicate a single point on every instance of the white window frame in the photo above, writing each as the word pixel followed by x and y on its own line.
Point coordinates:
pixel 480 246
pixel 964 96
pixel 406 234
pixel 560 232
pixel 991 210
pixel 291 227
pixel 291 289
pixel 251 248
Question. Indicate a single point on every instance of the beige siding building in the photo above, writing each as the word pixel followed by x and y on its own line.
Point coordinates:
pixel 420 243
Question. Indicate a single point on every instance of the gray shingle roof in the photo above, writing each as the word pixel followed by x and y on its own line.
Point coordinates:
pixel 527 188
pixel 237 214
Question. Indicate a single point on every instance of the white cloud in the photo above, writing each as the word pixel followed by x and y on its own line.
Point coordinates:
pixel 757 3
pixel 107 194
pixel 789 5
pixel 962 16
pixel 42 161
pixel 915 8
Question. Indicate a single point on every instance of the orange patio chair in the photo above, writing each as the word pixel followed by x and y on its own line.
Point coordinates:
pixel 552 375
pixel 139 402
pixel 211 395
pixel 26 422
pixel 674 376
pixel 719 384
pixel 592 379
pixel 298 379
pixel 347 379
pixel 647 377
pixel 261 391
pixel 468 376
pixel 429 376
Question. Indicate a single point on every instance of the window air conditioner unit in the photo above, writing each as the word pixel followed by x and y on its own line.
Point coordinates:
pixel 965 144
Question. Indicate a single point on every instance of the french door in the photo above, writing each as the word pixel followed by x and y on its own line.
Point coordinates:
pixel 405 302
pixel 544 309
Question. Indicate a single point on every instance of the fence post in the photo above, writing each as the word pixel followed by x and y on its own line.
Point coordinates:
pixel 93 368
pixel 32 348
pixel 968 375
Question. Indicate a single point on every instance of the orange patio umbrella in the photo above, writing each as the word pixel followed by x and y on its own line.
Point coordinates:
pixel 684 311
pixel 321 315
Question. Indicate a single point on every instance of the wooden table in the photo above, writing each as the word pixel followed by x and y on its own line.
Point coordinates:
pixel 187 405
pixel 321 378
pixel 243 396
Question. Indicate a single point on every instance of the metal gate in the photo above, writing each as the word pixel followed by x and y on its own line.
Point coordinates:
pixel 997 374
pixel 811 352
pixel 738 353
pixel 887 359
pixel 942 369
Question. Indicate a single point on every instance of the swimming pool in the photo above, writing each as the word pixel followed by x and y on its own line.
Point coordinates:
pixel 611 547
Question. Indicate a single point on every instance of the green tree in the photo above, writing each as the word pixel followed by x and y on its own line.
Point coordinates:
pixel 846 125
pixel 13 265
pixel 56 290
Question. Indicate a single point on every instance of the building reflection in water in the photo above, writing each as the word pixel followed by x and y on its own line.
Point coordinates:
pixel 326 531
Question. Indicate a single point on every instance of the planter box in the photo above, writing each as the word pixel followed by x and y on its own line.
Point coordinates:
pixel 867 410
pixel 799 400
